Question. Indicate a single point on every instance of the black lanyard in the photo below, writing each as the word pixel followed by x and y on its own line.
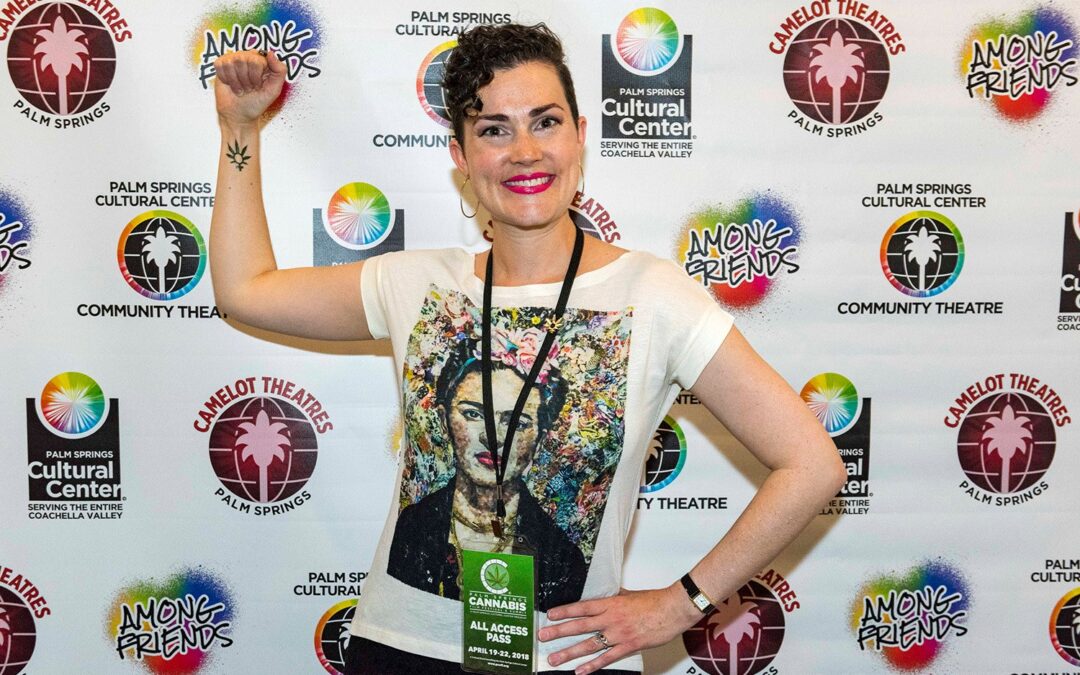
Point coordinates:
pixel 485 365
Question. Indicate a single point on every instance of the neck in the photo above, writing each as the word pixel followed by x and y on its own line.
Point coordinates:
pixel 533 256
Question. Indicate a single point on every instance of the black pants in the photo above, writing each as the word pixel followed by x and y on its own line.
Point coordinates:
pixel 365 657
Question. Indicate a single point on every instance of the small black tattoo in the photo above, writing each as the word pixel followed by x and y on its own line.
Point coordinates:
pixel 237 155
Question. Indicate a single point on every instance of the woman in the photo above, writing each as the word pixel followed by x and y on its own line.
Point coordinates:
pixel 637 331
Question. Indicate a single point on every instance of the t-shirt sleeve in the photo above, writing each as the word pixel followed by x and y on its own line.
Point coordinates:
pixel 373 294
pixel 698 326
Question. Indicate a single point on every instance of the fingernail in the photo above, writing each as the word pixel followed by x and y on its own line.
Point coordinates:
pixel 262 52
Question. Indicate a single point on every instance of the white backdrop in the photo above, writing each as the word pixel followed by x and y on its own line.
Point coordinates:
pixel 752 154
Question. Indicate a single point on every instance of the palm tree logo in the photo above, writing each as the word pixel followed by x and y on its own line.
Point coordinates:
pixel 1006 435
pixel 734 620
pixel 656 449
pixel 343 639
pixel 836 63
pixel 1076 623
pixel 922 248
pixel 263 442
pixel 160 249
pixel 61 50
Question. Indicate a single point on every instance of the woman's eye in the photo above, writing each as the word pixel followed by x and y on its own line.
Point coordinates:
pixel 548 122
pixel 491 131
pixel 470 414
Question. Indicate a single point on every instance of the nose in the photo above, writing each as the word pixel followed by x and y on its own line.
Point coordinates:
pixel 526 148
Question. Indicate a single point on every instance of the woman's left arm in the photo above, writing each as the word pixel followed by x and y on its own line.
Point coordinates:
pixel 759 408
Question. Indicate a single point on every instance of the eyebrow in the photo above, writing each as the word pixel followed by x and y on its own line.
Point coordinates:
pixel 535 112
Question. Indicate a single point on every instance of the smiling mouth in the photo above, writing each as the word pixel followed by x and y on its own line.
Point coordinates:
pixel 531 184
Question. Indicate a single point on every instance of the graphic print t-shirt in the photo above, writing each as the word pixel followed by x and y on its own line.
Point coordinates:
pixel 636 331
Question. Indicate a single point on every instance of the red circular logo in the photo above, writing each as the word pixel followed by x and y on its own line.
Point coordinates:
pixel 741 637
pixel 61 58
pixel 1006 442
pixel 17 633
pixel 263 449
pixel 836 71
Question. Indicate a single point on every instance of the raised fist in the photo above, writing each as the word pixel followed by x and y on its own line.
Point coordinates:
pixel 246 84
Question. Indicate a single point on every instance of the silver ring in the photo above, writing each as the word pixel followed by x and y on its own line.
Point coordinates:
pixel 601 640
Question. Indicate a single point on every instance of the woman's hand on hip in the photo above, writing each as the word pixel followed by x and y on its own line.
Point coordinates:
pixel 631 621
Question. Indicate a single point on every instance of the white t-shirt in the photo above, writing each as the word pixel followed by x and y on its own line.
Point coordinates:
pixel 635 332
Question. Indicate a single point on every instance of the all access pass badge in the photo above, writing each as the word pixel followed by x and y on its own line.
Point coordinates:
pixel 499 629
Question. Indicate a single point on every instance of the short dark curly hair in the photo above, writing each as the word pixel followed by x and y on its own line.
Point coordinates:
pixel 482 50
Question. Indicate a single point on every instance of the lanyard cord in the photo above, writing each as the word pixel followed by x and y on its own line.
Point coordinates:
pixel 485 364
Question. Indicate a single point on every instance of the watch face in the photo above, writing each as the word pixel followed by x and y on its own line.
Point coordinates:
pixel 702 602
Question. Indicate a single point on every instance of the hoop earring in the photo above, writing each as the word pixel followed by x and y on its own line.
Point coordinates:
pixel 461 204
pixel 581 172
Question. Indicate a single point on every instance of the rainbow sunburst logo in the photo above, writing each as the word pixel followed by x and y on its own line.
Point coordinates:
pixel 741 251
pixel 834 400
pixel 359 216
pixel 429 77
pixel 1020 65
pixel 72 405
pixel 648 42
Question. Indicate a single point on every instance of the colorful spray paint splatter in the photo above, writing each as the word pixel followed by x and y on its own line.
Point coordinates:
pixel 907 619
pixel 16 231
pixel 289 28
pixel 172 626
pixel 740 251
pixel 1020 65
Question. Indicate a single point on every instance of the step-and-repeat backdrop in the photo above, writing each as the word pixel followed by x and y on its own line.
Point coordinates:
pixel 884 193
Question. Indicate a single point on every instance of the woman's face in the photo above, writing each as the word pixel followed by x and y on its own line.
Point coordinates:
pixel 468 434
pixel 522 151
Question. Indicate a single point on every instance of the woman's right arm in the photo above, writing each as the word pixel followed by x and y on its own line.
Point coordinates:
pixel 311 302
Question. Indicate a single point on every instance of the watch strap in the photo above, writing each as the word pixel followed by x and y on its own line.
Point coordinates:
pixel 700 600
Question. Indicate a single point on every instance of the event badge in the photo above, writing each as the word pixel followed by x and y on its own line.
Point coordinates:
pixel 498 593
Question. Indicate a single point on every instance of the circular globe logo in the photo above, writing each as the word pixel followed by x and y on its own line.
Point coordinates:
pixel 1065 627
pixel 922 254
pixel 429 79
pixel 73 405
pixel 332 636
pixel 836 71
pixel 263 449
pixel 741 637
pixel 18 635
pixel 667 454
pixel 359 216
pixel 1006 442
pixel 161 255
pixel 61 58
pixel 647 42
pixel 834 400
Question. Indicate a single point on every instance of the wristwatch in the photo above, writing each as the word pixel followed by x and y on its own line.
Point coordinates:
pixel 700 600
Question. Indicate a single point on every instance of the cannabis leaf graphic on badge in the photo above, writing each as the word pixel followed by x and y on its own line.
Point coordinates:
pixel 497 577
pixel 238 155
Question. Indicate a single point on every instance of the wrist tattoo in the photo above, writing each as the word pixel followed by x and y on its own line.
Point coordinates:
pixel 238 156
